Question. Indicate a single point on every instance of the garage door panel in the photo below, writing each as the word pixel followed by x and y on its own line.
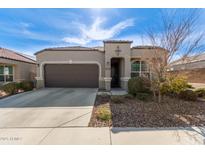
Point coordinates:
pixel 71 75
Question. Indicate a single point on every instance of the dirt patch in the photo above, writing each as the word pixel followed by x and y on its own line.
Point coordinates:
pixel 101 101
pixel 134 113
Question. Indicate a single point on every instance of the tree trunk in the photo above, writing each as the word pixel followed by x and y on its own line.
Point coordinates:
pixel 159 97
pixel 154 94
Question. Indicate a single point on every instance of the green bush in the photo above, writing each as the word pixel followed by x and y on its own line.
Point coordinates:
pixel 26 85
pixel 174 85
pixel 103 113
pixel 138 85
pixel 10 88
pixel 143 96
pixel 13 87
pixel 200 92
pixel 128 96
pixel 165 88
pixel 116 99
pixel 188 95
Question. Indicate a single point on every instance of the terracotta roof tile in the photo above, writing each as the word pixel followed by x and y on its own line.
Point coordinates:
pixel 9 54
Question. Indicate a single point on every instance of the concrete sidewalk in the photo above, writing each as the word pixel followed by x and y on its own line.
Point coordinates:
pixel 198 85
pixel 102 136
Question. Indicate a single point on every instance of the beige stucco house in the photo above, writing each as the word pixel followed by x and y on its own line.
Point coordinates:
pixel 100 67
pixel 15 67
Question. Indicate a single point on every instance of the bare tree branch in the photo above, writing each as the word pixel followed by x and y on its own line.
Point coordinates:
pixel 179 36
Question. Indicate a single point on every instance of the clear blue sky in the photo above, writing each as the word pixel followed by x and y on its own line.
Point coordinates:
pixel 30 30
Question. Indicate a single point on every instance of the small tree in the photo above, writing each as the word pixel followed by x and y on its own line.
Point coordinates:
pixel 179 36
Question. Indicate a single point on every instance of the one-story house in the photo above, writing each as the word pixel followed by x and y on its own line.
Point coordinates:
pixel 16 67
pixel 110 66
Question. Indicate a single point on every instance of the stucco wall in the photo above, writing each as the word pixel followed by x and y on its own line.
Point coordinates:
pixel 124 53
pixel 110 52
pixel 22 70
pixel 147 54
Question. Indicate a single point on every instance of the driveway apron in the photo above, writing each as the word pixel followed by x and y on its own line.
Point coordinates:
pixel 49 107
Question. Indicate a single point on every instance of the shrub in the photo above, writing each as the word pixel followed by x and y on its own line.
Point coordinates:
pixel 200 92
pixel 174 85
pixel 128 96
pixel 26 85
pixel 165 88
pixel 144 96
pixel 188 95
pixel 139 85
pixel 10 88
pixel 103 113
pixel 116 99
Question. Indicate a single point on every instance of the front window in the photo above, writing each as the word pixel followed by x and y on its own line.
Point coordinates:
pixel 1 73
pixel 136 66
pixel 140 68
pixel 144 67
pixel 6 73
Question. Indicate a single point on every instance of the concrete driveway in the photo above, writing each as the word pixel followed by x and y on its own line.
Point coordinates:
pixel 45 108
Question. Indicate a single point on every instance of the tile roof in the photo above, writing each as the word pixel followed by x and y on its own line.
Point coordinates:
pixel 147 47
pixel 9 54
pixel 70 48
pixel 99 48
pixel 191 59
pixel 117 41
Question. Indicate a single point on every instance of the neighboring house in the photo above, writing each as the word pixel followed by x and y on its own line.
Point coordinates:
pixel 192 67
pixel 15 67
pixel 192 62
pixel 100 67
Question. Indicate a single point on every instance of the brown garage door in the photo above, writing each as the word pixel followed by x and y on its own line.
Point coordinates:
pixel 71 75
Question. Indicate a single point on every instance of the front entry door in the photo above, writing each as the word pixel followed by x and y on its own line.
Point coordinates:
pixel 115 73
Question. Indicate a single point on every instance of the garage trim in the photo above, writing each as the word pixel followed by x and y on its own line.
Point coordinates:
pixel 68 62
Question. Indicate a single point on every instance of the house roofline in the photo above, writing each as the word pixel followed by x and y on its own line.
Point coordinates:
pixel 117 41
pixel 75 48
pixel 25 57
pixel 147 47
pixel 180 60
pixel 34 62
pixel 79 48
